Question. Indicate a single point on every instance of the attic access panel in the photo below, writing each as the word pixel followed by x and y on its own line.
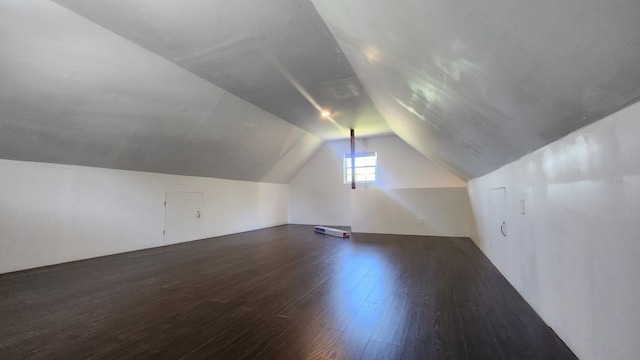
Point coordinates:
pixel 183 216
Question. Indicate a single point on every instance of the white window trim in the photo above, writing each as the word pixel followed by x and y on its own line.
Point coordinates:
pixel 345 168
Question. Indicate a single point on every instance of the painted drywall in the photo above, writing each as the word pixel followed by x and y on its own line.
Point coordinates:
pixel 402 167
pixel 76 93
pixel 278 55
pixel 574 254
pixel 478 84
pixel 53 213
pixel 430 211
pixel 317 194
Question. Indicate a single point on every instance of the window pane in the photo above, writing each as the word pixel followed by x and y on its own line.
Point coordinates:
pixel 366 161
pixel 365 167
pixel 369 161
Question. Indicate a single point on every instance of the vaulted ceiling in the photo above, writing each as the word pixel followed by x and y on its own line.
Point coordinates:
pixel 233 88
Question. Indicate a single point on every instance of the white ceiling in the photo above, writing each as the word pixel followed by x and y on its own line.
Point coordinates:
pixel 278 55
pixel 73 92
pixel 202 87
pixel 478 84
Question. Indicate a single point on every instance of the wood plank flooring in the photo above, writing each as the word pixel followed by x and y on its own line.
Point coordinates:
pixel 278 293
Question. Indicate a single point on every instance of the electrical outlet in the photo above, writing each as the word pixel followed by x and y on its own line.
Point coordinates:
pixel 420 221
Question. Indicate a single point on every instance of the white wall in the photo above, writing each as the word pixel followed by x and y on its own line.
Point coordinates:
pixel 575 253
pixel 443 211
pixel 317 195
pixel 402 167
pixel 56 213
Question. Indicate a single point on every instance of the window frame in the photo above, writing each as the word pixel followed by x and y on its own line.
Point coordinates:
pixel 346 167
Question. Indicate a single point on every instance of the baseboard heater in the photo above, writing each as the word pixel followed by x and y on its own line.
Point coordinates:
pixel 331 231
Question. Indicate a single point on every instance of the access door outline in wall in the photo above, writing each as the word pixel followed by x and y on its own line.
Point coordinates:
pixel 183 216
pixel 498 245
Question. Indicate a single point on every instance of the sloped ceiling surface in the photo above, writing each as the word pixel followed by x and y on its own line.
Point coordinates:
pixel 478 84
pixel 233 89
pixel 73 92
pixel 277 54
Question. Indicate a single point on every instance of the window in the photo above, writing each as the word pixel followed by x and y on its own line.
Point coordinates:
pixel 365 167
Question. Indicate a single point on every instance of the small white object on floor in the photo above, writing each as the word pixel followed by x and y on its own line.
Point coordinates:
pixel 331 231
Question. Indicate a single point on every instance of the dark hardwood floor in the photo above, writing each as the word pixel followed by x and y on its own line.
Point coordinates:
pixel 279 293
